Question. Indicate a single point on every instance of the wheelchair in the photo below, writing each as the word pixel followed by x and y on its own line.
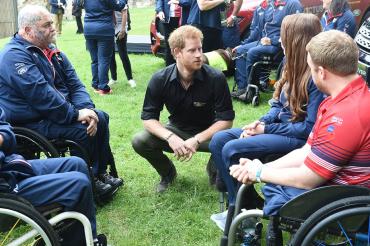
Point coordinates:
pixel 23 224
pixel 32 145
pixel 259 77
pixel 328 215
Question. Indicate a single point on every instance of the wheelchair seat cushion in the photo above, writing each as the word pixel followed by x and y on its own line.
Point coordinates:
pixel 302 206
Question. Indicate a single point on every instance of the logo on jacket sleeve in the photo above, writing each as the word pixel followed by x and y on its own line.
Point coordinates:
pixel 21 68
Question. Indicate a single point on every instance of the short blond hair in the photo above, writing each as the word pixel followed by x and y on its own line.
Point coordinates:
pixel 335 51
pixel 177 38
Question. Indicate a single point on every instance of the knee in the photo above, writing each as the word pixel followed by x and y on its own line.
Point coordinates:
pixel 103 118
pixel 79 165
pixel 81 181
pixel 228 151
pixel 215 144
pixel 138 141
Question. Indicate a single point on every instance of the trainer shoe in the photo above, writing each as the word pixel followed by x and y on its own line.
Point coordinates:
pixel 167 180
pixel 112 82
pixel 220 219
pixel 132 83
pixel 105 92
pixel 108 179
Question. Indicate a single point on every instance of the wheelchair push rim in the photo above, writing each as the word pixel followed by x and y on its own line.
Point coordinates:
pixel 24 225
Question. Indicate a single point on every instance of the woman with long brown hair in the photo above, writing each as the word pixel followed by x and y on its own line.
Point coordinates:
pixel 292 114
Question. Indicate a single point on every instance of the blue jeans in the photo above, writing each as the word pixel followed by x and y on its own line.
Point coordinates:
pixel 60 180
pixel 97 146
pixel 249 54
pixel 227 148
pixel 101 51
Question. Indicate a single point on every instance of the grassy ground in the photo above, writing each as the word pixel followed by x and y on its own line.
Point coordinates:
pixel 137 215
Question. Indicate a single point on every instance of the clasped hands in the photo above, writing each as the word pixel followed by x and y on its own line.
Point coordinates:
pixel 245 172
pixel 89 117
pixel 183 149
pixel 252 129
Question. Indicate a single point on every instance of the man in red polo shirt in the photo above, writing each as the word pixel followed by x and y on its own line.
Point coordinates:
pixel 338 148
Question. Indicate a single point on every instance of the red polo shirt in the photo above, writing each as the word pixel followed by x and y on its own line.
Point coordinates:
pixel 340 139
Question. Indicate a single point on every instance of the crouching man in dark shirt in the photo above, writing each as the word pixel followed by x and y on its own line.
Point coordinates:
pixel 198 100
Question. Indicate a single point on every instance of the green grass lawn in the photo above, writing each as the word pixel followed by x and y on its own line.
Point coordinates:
pixel 137 215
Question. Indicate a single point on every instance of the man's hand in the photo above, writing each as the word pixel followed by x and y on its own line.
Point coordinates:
pixel 245 171
pixel 1 140
pixel 85 115
pixel 88 116
pixel 191 145
pixel 230 21
pixel 92 128
pixel 121 35
pixel 160 15
pixel 265 41
pixel 177 144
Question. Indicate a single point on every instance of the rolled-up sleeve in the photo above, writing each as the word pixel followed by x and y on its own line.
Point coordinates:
pixel 153 101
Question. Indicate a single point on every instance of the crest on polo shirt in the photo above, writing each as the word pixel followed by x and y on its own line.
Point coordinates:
pixel 337 120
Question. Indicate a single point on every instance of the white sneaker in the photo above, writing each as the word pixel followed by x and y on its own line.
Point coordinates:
pixel 220 219
pixel 112 82
pixel 132 83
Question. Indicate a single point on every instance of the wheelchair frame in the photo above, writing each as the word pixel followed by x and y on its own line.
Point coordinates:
pixel 20 209
pixel 340 201
pixel 270 62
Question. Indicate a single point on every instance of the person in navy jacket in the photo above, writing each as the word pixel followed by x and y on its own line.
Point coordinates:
pixel 338 16
pixel 40 90
pixel 99 35
pixel 292 114
pixel 47 181
pixel 206 16
pixel 57 8
pixel 264 38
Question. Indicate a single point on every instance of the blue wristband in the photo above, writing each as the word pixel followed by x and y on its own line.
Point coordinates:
pixel 258 174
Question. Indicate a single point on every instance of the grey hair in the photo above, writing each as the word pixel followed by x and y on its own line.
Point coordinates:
pixel 29 15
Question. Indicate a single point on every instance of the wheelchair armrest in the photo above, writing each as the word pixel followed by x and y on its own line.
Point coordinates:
pixel 302 206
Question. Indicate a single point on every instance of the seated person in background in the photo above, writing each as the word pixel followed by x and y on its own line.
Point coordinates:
pixel 292 114
pixel 46 181
pixel 264 38
pixel 197 98
pixel 337 150
pixel 338 16
pixel 40 90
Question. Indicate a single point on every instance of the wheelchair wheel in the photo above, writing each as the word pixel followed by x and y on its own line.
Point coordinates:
pixel 344 222
pixel 32 145
pixel 21 224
